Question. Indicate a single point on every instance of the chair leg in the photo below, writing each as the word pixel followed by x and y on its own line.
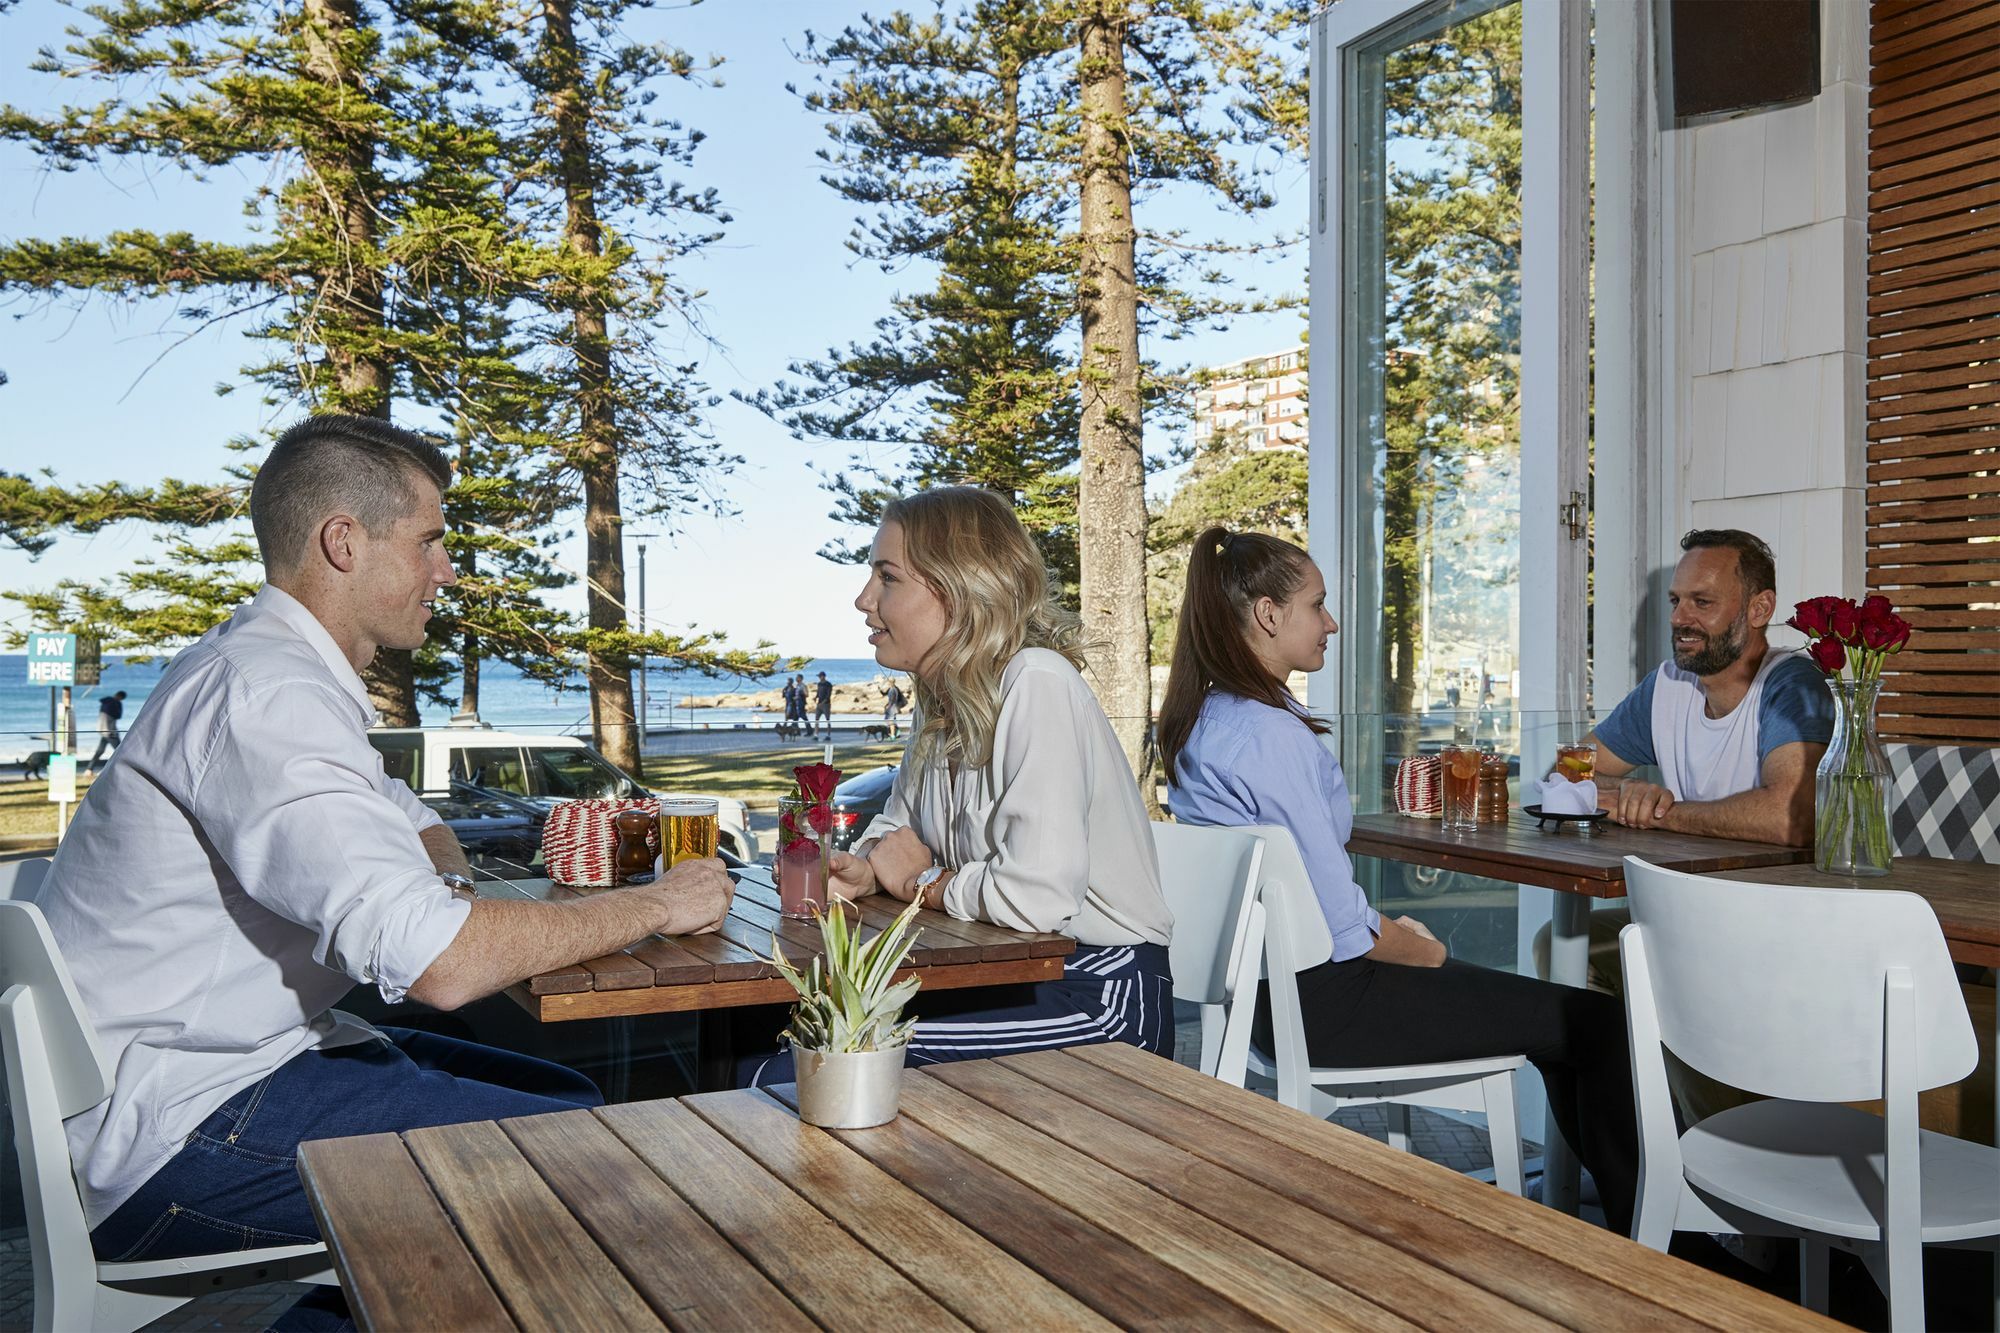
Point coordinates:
pixel 1399 1126
pixel 1213 1019
pixel 1503 1132
pixel 1905 1287
pixel 1813 1258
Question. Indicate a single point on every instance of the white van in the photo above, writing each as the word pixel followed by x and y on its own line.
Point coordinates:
pixel 540 770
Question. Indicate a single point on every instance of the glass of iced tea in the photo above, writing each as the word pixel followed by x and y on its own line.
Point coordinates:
pixel 687 830
pixel 1576 761
pixel 1458 774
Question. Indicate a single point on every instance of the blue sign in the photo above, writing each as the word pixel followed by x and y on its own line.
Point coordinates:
pixel 51 659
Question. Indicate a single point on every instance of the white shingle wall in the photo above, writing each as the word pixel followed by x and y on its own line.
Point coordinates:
pixel 1773 240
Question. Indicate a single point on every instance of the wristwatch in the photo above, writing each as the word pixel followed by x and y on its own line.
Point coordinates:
pixel 458 884
pixel 926 878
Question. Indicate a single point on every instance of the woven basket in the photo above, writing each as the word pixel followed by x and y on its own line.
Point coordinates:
pixel 580 843
pixel 1419 792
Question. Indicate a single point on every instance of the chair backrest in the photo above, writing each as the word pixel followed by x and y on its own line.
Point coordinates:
pixel 1298 931
pixel 23 878
pixel 55 1069
pixel 1779 989
pixel 1944 800
pixel 1209 876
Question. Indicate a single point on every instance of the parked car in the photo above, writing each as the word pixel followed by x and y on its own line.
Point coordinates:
pixel 499 833
pixel 534 772
pixel 858 800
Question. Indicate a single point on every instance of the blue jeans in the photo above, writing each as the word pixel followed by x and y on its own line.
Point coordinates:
pixel 234 1185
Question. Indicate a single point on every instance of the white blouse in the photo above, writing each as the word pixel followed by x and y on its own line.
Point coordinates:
pixel 1050 834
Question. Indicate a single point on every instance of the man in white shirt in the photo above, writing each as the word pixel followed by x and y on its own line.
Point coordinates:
pixel 247 861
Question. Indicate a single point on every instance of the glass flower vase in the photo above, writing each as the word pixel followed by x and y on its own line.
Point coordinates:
pixel 800 867
pixel 1852 806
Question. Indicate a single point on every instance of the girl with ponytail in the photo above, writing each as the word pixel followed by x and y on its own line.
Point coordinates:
pixel 1239 749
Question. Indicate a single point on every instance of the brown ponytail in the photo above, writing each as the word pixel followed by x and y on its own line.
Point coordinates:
pixel 1227 573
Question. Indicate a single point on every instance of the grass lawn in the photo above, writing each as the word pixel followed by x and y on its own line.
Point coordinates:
pixel 759 778
pixel 26 810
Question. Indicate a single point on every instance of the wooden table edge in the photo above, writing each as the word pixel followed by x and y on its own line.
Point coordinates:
pixel 557 1008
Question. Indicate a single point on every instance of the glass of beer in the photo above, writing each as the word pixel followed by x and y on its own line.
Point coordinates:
pixel 1458 774
pixel 687 830
pixel 1576 761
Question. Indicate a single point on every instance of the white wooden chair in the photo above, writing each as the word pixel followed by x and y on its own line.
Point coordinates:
pixel 55 1069
pixel 1814 998
pixel 1296 938
pixel 23 878
pixel 1209 876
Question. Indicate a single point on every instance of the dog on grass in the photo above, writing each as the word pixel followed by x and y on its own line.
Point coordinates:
pixel 36 765
pixel 875 731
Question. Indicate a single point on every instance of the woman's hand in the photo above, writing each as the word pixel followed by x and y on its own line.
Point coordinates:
pixel 850 875
pixel 897 860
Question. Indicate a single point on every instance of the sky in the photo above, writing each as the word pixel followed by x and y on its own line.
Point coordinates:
pixel 107 391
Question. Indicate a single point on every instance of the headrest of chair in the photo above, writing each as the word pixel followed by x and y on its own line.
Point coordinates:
pixel 29 957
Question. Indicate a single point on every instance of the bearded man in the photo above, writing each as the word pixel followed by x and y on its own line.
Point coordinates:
pixel 1735 727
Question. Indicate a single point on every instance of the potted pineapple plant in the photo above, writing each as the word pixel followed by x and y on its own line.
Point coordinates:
pixel 847 1031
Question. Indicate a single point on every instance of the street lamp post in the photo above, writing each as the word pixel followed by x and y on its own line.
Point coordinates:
pixel 642 537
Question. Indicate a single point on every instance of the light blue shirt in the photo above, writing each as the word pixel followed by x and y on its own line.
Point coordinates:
pixel 1249 763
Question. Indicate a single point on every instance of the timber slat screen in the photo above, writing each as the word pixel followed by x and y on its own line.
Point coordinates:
pixel 1934 360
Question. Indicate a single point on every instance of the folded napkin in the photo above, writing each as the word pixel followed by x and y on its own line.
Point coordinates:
pixel 1560 796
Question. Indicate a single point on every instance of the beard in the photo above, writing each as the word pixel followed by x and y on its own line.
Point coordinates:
pixel 1716 654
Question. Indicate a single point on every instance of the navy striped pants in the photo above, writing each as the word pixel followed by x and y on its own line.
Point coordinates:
pixel 1113 992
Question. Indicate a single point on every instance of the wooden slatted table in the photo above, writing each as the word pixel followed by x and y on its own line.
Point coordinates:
pixel 1087 1188
pixel 1580 865
pixel 726 969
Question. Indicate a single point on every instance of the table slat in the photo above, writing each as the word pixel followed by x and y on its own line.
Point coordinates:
pixel 825 1270
pixel 1370 1268
pixel 1104 1271
pixel 398 1258
pixel 618 971
pixel 549 1270
pixel 1586 1249
pixel 984 1286
pixel 673 965
pixel 1233 1266
pixel 1573 861
pixel 1535 1282
pixel 693 1278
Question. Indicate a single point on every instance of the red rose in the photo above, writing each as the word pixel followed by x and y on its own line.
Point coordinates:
pixel 799 845
pixel 1847 623
pixel 1899 633
pixel 1829 655
pixel 1808 618
pixel 820 816
pixel 817 781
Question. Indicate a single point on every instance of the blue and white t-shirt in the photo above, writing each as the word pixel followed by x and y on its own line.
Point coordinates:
pixel 1701 758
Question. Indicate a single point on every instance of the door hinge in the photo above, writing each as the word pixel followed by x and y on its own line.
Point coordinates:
pixel 1574 516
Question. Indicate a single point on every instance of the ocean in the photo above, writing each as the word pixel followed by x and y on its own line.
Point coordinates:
pixel 506 699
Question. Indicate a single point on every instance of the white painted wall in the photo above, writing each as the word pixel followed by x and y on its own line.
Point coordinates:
pixel 1769 256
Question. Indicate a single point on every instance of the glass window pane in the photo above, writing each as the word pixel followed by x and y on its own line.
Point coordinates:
pixel 491 766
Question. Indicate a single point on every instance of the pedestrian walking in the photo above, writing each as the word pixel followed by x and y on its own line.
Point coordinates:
pixel 823 704
pixel 790 694
pixel 109 711
pixel 892 709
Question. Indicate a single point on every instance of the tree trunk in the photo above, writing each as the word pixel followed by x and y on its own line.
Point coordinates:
pixel 350 314
pixel 612 724
pixel 1111 491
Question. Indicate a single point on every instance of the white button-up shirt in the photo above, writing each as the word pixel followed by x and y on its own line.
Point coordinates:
pixel 1049 835
pixel 241 863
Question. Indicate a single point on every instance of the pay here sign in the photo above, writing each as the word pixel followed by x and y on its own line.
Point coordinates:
pixel 52 659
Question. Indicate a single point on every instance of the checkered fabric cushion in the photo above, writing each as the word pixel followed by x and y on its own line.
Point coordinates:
pixel 1944 800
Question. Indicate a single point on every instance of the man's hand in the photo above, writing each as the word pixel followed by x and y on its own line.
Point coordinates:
pixel 696 896
pixel 897 860
pixel 851 875
pixel 1641 804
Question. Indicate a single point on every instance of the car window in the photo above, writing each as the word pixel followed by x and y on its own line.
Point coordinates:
pixel 399 751
pixel 570 774
pixel 491 766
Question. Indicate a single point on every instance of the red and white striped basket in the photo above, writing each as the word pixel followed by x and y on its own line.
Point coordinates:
pixel 1417 788
pixel 580 843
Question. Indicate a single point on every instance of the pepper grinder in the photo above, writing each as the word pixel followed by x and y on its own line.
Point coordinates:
pixel 635 859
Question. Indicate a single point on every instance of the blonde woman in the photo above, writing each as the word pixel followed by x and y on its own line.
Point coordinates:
pixel 1014 804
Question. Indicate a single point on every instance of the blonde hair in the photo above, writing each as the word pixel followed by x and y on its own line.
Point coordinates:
pixel 967 546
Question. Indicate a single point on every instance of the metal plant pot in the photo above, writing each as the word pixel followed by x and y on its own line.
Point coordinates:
pixel 849 1089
